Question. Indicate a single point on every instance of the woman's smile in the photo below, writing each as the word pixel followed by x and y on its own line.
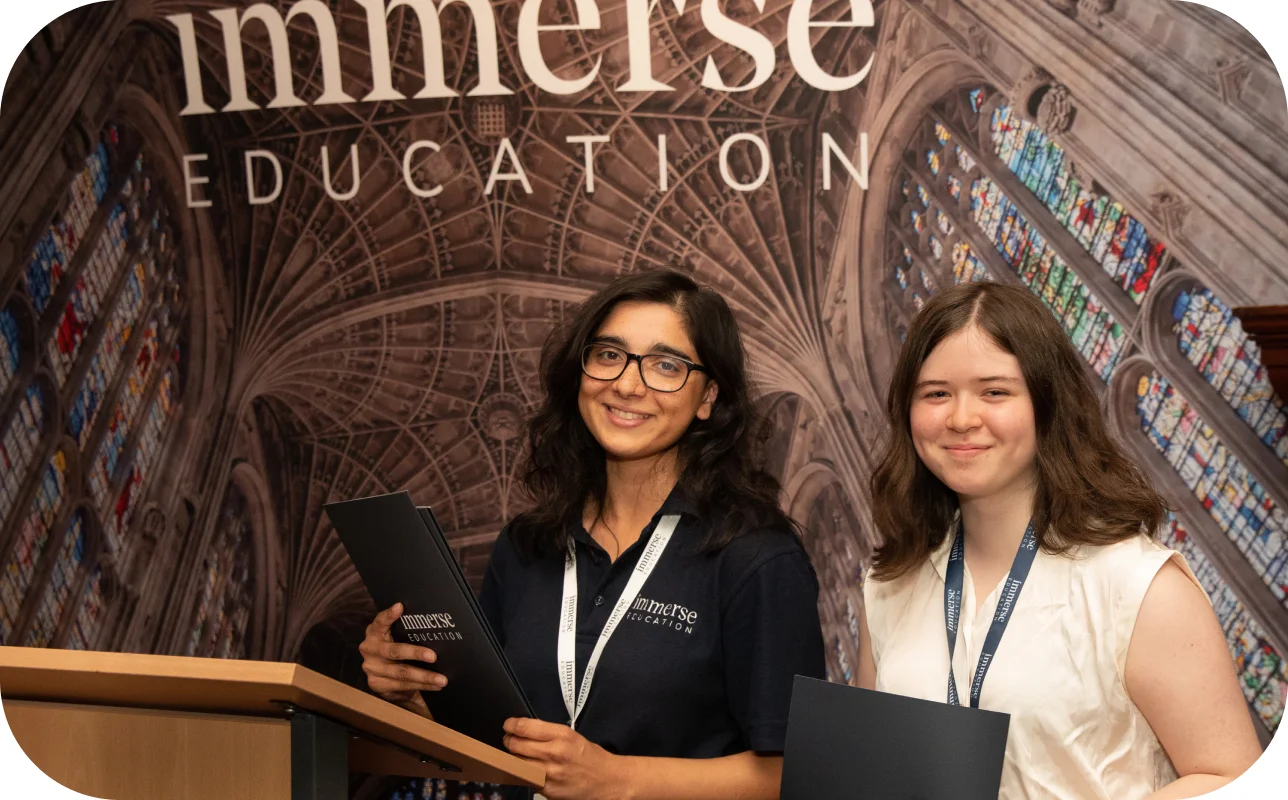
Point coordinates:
pixel 626 418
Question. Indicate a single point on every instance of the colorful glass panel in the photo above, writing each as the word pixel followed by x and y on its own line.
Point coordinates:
pixel 30 543
pixel 944 224
pixel 1263 672
pixel 966 267
pixel 117 521
pixel 107 357
pixel 1117 240
pixel 842 660
pixel 87 298
pixel 936 247
pixel 1213 340
pixel 50 256
pixel 955 187
pixel 70 556
pixel 1095 333
pixel 1234 498
pixel 9 350
pixel 88 619
pixel 223 612
pixel 109 453
pixel 18 448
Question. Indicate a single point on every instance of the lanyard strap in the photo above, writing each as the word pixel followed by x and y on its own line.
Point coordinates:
pixel 568 615
pixel 953 580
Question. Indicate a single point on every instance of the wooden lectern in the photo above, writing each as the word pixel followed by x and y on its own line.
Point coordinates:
pixel 138 727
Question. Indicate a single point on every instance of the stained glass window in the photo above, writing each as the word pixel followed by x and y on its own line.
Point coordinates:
pixel 1233 497
pixel 30 544
pixel 1212 338
pixel 1116 239
pixel 938 168
pixel 91 611
pixel 936 246
pixel 842 660
pixel 70 556
pixel 111 302
pixel 223 611
pixel 149 448
pixel 944 224
pixel 86 299
pixel 55 249
pixel 9 352
pixel 1263 672
pixel 107 357
pixel 966 267
pixel 1095 333
pixel 18 448
pixel 103 467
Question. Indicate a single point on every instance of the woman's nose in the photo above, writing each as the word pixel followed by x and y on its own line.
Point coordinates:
pixel 963 416
pixel 631 381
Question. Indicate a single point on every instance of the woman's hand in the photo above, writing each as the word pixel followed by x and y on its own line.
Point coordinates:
pixel 386 675
pixel 576 769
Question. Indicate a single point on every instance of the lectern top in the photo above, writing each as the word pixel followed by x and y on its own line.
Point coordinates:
pixel 256 688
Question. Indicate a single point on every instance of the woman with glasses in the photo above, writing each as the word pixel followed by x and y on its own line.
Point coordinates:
pixel 656 603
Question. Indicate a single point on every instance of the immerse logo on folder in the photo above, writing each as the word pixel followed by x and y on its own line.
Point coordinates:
pixel 403 557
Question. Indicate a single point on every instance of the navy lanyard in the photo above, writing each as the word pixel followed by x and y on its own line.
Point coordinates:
pixel 953 580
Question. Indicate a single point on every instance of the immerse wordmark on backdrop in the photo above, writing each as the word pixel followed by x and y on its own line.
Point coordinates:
pixel 263 256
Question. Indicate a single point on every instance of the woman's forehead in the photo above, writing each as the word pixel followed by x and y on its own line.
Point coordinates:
pixel 970 352
pixel 643 325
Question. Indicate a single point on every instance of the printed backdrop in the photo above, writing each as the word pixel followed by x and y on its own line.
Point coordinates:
pixel 261 257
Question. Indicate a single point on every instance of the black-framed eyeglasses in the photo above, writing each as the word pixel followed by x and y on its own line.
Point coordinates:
pixel 661 373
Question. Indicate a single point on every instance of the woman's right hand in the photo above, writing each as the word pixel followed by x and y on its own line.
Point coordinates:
pixel 382 659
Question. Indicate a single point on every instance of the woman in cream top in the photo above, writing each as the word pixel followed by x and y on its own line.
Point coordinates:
pixel 998 464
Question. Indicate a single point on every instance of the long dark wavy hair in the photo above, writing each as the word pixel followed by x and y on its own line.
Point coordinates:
pixel 563 466
pixel 1089 491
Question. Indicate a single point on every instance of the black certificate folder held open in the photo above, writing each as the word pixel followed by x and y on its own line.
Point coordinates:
pixel 402 557
pixel 845 743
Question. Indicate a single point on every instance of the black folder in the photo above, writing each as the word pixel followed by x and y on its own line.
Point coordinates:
pixel 845 743
pixel 402 556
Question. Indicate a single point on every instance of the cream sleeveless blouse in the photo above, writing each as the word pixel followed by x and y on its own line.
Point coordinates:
pixel 1058 671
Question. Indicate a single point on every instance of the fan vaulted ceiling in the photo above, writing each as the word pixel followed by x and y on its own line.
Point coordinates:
pixel 392 341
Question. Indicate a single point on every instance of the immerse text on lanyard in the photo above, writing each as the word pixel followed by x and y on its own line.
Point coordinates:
pixel 568 616
pixel 953 580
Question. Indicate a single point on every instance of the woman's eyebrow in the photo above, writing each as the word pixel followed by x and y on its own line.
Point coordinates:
pixel 666 349
pixel 659 348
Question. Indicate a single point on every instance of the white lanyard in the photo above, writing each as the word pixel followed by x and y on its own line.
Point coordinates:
pixel 568 615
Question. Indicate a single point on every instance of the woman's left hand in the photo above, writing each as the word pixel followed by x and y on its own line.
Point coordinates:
pixel 576 769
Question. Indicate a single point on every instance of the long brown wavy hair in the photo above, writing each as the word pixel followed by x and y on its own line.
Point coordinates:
pixel 722 456
pixel 1089 491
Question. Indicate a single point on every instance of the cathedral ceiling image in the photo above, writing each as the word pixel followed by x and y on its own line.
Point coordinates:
pixel 371 318
pixel 393 340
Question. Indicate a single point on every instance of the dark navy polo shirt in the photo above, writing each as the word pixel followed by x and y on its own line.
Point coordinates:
pixel 702 664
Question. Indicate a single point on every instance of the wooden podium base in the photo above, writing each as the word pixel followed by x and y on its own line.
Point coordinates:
pixel 129 754
pixel 133 727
